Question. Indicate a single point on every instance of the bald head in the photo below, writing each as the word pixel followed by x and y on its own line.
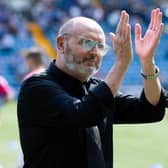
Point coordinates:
pixel 79 24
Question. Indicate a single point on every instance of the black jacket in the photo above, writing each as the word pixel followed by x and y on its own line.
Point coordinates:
pixel 54 112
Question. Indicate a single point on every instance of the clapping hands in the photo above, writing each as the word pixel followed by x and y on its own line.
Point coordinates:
pixel 145 46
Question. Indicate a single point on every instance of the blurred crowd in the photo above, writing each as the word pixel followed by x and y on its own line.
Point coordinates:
pixel 49 15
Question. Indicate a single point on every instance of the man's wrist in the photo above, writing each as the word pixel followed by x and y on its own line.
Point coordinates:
pixel 151 76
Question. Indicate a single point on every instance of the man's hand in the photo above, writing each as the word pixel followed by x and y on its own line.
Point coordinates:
pixel 122 46
pixel 145 46
pixel 121 40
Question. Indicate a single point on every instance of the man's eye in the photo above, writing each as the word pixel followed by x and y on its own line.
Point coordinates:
pixel 89 43
pixel 101 46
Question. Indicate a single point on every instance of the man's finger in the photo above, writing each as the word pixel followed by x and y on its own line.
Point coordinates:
pixel 160 30
pixel 128 31
pixel 125 21
pixel 119 26
pixel 153 19
pixel 138 32
pixel 159 19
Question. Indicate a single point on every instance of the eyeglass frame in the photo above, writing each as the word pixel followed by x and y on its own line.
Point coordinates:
pixel 96 44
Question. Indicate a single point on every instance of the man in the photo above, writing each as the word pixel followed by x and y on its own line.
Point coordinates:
pixel 35 61
pixel 65 116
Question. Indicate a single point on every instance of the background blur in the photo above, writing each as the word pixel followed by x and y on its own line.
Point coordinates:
pixel 26 23
pixel 35 22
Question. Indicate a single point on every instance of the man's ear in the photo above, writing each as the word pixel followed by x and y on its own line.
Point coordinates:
pixel 60 44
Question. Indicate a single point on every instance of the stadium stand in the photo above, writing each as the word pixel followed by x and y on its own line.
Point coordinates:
pixel 50 14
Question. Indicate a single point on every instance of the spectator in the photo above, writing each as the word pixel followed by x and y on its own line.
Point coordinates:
pixel 35 61
pixel 6 93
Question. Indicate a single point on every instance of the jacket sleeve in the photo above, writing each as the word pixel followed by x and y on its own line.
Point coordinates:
pixel 165 93
pixel 47 104
pixel 130 109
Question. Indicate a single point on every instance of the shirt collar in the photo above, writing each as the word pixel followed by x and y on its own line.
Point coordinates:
pixel 59 76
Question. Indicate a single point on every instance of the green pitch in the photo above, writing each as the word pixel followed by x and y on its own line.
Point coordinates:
pixel 141 146
pixel 135 146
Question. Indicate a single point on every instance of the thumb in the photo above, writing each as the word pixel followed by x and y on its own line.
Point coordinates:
pixel 112 36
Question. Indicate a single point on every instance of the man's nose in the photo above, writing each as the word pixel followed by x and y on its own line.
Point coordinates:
pixel 95 50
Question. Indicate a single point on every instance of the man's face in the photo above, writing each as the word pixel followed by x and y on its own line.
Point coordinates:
pixel 78 58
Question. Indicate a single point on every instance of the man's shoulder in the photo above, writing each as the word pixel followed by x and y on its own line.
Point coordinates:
pixel 38 80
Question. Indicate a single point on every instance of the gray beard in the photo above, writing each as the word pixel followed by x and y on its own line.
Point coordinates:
pixel 78 67
pixel 85 71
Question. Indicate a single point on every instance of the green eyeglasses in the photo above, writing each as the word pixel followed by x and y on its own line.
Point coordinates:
pixel 89 44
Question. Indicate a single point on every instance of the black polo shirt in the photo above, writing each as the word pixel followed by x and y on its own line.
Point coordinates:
pixel 54 112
